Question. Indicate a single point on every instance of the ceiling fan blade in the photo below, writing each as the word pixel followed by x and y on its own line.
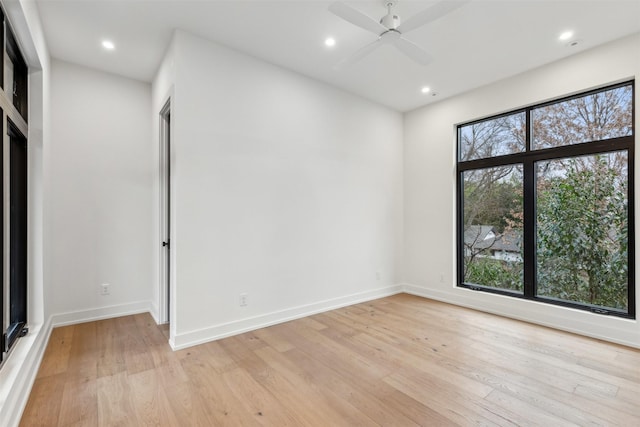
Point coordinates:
pixel 356 18
pixel 361 53
pixel 412 50
pixel 432 13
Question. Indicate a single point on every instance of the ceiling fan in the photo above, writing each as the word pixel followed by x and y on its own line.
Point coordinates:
pixel 390 30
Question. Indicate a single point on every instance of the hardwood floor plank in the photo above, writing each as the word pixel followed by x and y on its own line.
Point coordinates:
pixel 148 399
pixel 459 408
pixel 541 366
pixel 424 362
pixel 396 361
pixel 318 345
pixel 533 415
pixel 222 406
pixel 114 395
pixel 256 400
pixel 626 396
pixel 79 405
pixel 84 352
pixel 273 339
pixel 211 353
pixel 111 356
pixel 57 354
pixel 320 405
pixel 188 407
pixel 45 401
pixel 137 357
pixel 366 394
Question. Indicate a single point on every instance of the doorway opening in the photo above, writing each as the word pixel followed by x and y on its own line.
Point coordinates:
pixel 165 212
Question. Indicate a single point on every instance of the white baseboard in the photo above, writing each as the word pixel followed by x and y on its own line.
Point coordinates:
pixel 155 313
pixel 19 373
pixel 101 313
pixel 223 330
pixel 607 328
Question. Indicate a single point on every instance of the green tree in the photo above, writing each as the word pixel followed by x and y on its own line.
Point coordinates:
pixel 497 204
pixel 582 232
pixel 492 199
pixel 495 273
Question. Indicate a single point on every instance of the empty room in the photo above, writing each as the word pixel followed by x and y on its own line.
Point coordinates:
pixel 319 213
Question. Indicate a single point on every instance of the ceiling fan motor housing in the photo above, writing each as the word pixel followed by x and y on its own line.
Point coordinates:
pixel 390 20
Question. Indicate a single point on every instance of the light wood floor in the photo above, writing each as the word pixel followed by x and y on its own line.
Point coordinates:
pixel 397 361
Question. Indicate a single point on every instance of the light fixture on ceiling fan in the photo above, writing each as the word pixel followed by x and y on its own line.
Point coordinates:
pixel 390 30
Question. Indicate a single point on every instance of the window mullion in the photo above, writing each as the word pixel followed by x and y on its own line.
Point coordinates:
pixel 529 230
pixel 529 215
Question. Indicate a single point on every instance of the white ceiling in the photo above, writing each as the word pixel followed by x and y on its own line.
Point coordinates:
pixel 481 42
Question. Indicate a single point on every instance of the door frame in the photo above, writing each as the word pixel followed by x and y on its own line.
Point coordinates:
pixel 165 228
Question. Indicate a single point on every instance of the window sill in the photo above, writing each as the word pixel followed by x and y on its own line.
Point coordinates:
pixel 19 371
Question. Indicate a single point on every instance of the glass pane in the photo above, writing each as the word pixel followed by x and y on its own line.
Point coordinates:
pixel 16 75
pixel 595 117
pixel 490 138
pixel 493 227
pixel 582 229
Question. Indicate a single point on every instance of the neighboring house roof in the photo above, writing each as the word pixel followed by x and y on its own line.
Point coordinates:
pixel 509 241
pixel 479 236
pixel 485 237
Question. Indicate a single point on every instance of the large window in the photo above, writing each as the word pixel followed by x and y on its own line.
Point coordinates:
pixel 13 191
pixel 545 202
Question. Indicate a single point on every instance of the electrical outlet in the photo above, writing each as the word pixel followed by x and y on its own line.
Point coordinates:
pixel 104 289
pixel 441 277
pixel 377 275
pixel 243 299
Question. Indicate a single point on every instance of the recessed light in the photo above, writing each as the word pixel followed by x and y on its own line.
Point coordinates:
pixel 565 36
pixel 425 89
pixel 108 44
pixel 330 42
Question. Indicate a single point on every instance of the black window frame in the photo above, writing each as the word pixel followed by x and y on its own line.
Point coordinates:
pixel 18 243
pixel 2 39
pixel 4 347
pixel 14 203
pixel 20 90
pixel 528 159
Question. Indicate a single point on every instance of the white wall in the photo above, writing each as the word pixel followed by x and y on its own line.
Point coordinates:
pixel 99 194
pixel 284 188
pixel 429 171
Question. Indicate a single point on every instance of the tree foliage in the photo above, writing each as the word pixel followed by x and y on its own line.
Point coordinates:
pixel 582 235
pixel 495 137
pixel 595 117
pixel 495 273
pixel 496 203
